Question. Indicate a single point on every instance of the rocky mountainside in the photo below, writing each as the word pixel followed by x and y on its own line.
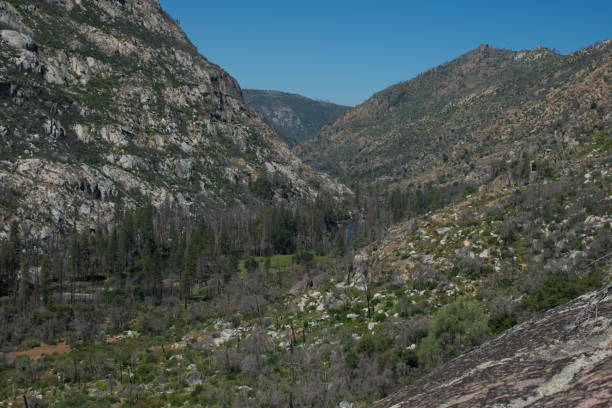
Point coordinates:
pixel 499 201
pixel 294 117
pixel 458 121
pixel 108 99
pixel 560 359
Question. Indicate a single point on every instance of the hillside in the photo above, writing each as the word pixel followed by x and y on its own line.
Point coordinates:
pixel 294 117
pixel 560 359
pixel 197 262
pixel 102 101
pixel 343 329
pixel 460 120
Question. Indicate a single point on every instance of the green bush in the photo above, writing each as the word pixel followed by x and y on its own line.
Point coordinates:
pixel 558 289
pixel 251 265
pixel 263 188
pixel 457 328
pixel 303 258
pixel 373 344
pixel 74 398
pixel 351 359
pixel 502 322
pixel 380 317
pixel 32 343
pixel 603 141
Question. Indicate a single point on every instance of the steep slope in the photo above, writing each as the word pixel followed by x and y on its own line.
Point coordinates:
pixel 294 117
pixel 107 99
pixel 561 359
pixel 457 119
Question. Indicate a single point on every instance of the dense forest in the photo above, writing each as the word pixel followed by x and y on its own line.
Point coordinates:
pixel 151 245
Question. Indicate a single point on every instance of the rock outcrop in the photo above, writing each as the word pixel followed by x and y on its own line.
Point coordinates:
pixel 106 99
pixel 561 359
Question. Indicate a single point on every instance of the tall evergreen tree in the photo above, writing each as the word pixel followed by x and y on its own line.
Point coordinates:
pixel 13 256
pixel 43 281
pixel 24 284
pixel 84 256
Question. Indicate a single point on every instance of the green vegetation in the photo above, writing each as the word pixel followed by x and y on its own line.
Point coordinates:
pixel 475 208
pixel 456 328
pixel 449 121
pixel 560 288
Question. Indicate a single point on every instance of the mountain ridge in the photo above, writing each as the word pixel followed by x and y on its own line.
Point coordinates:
pixel 295 118
pixel 127 107
pixel 472 103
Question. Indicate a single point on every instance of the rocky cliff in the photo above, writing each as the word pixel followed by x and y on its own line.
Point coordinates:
pixel 560 359
pixel 294 117
pixel 453 122
pixel 107 99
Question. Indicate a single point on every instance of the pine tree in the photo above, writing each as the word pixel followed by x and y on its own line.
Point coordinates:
pixel 151 271
pixel 24 285
pixel 13 256
pixel 4 268
pixel 84 256
pixel 75 257
pixel 43 281
pixel 188 270
pixel 111 253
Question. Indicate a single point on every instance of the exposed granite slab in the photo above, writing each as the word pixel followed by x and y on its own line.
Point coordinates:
pixel 560 359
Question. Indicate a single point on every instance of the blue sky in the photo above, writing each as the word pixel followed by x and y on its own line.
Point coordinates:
pixel 344 51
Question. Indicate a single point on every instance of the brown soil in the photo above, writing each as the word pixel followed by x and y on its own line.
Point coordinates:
pixel 43 350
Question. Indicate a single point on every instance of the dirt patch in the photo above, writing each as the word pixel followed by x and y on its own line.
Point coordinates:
pixel 43 350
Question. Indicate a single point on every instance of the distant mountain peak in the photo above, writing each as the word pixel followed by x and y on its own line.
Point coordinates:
pixel 295 118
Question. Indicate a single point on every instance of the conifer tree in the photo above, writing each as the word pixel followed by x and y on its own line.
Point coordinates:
pixel 84 256
pixel 24 284
pixel 43 281
pixel 13 258
pixel 187 272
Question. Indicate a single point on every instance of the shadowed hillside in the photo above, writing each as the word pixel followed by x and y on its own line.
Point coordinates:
pixel 294 117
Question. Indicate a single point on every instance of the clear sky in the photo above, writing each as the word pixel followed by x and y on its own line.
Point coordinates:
pixel 345 50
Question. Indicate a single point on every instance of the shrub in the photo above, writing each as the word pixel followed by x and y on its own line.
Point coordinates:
pixel 74 398
pixel 558 289
pixel 380 317
pixel 457 328
pixel 426 277
pixel 251 265
pixel 303 257
pixel 32 343
pixel 153 323
pixel 263 188
pixel 373 344
pixel 502 322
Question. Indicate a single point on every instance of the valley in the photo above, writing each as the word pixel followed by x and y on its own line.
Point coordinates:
pixel 169 239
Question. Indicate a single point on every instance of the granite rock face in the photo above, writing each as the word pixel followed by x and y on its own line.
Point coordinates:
pixel 101 99
pixel 560 359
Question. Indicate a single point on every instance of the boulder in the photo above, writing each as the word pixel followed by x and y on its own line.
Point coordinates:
pixel 18 40
pixel 193 378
